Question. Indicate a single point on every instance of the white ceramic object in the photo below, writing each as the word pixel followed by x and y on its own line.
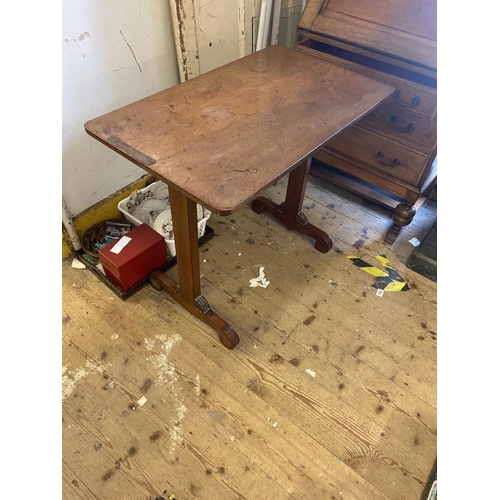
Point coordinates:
pixel 162 222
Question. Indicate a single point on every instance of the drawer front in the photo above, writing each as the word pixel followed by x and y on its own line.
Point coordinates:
pixel 410 96
pixel 398 124
pixel 379 154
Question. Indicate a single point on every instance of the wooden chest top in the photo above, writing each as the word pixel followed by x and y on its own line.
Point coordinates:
pixel 402 29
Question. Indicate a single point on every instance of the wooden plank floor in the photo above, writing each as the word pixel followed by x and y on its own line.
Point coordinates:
pixel 331 393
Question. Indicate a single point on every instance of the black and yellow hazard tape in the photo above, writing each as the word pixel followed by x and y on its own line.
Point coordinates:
pixel 388 280
pixel 159 497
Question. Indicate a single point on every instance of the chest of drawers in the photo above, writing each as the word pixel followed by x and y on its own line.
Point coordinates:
pixel 388 157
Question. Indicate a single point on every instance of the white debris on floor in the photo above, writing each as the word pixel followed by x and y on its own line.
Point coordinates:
pixel 260 280
pixel 77 264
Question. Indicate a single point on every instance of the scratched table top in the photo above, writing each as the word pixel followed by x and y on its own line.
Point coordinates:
pixel 225 136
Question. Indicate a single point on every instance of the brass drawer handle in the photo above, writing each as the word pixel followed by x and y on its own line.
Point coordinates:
pixel 414 102
pixel 402 130
pixel 394 163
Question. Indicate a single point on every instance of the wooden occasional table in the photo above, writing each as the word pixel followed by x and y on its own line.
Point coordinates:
pixel 222 138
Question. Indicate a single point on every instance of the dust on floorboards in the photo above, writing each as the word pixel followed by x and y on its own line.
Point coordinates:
pixel 330 394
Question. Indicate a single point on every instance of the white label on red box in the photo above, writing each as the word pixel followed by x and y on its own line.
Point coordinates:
pixel 121 244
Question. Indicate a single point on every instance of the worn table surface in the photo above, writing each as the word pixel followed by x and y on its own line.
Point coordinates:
pixel 223 137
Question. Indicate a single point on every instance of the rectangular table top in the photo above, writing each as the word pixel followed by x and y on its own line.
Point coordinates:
pixel 225 136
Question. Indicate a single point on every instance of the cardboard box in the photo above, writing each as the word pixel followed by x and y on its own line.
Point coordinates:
pixel 136 258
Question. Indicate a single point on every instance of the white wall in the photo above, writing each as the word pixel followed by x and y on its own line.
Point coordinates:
pixel 114 52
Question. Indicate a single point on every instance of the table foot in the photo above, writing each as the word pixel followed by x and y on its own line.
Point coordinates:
pixel 298 222
pixel 199 308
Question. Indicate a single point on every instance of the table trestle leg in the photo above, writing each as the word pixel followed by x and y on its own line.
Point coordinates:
pixel 290 211
pixel 188 291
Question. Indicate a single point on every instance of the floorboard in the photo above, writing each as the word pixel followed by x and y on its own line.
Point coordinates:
pixel 331 393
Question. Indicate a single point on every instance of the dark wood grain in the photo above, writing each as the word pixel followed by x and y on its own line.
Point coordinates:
pixel 139 157
pixel 223 137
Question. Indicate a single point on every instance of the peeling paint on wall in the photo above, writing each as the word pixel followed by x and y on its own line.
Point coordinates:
pixel 211 33
pixel 79 38
pixel 184 26
pixel 241 28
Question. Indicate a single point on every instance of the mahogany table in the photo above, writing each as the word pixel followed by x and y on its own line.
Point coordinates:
pixel 223 137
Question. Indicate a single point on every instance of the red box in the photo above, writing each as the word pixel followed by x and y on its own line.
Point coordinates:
pixel 145 252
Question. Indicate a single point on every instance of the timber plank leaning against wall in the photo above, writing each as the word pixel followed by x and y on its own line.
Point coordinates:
pixel 211 33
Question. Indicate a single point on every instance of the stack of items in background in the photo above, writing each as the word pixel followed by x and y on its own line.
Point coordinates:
pixel 147 223
pixel 112 231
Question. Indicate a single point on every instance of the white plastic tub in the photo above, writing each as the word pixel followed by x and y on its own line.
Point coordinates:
pixel 203 216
